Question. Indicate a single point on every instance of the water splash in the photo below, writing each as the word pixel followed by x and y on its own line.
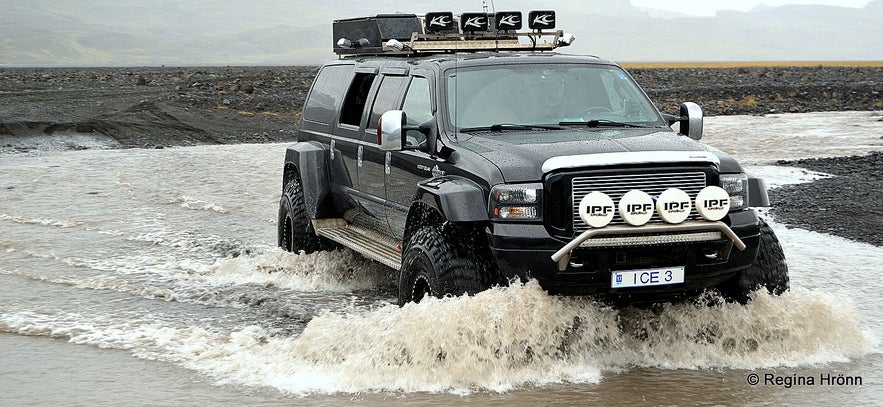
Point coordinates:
pixel 520 336
pixel 328 271
pixel 228 281
pixel 497 340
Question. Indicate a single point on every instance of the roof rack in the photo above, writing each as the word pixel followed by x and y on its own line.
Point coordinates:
pixel 441 32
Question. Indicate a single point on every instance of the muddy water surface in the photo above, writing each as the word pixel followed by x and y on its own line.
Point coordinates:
pixel 141 277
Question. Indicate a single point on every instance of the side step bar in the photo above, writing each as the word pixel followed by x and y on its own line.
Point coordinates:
pixel 361 238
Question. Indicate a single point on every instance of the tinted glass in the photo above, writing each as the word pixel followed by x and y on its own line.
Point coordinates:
pixel 388 98
pixel 327 92
pixel 417 108
pixel 545 94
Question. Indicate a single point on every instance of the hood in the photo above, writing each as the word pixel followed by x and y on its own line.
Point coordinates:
pixel 526 156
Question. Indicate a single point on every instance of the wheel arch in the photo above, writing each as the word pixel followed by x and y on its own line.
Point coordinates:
pixel 298 158
pixel 757 193
pixel 447 199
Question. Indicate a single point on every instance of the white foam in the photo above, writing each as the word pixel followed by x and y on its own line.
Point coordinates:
pixel 186 279
pixel 498 340
pixel 328 271
pixel 41 222
pixel 519 335
pixel 187 202
pixel 777 176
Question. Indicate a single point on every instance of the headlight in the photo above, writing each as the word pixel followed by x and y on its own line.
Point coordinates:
pixel 736 186
pixel 515 202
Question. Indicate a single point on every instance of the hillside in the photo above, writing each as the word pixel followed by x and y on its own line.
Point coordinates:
pixel 168 106
pixel 205 32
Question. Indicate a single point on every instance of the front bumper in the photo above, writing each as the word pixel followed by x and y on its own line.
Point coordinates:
pixel 525 251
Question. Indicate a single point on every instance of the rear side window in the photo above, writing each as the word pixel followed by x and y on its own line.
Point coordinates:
pixel 356 99
pixel 328 90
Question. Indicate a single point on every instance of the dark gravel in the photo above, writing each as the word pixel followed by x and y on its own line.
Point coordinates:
pixel 153 106
pixel 156 107
pixel 849 205
pixel 761 90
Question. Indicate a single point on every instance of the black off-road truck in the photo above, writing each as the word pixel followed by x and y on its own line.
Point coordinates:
pixel 466 154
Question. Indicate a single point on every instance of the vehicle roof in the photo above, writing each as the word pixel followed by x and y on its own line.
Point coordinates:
pixel 482 58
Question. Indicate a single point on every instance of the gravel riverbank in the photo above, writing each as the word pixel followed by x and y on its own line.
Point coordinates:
pixel 83 108
pixel 169 106
pixel 849 204
pixel 762 90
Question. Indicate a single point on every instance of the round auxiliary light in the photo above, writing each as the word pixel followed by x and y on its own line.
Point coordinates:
pixel 596 209
pixel 673 205
pixel 636 207
pixel 713 203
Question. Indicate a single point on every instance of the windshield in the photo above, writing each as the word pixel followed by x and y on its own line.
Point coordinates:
pixel 545 94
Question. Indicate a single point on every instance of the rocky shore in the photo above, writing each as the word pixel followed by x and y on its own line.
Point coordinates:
pixel 166 106
pixel 849 204
pixel 154 107
pixel 762 90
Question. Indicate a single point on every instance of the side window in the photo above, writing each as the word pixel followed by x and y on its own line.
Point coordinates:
pixel 417 108
pixel 388 98
pixel 356 99
pixel 327 92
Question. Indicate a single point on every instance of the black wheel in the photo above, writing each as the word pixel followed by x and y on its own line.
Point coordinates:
pixel 295 232
pixel 434 263
pixel 768 271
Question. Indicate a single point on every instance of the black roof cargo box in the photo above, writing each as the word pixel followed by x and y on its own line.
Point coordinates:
pixel 376 30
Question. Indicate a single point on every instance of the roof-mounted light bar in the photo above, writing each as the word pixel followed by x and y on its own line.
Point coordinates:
pixel 445 32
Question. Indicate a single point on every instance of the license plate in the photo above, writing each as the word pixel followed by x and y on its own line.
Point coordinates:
pixel 647 277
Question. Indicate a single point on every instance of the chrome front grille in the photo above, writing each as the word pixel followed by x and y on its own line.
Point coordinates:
pixel 616 185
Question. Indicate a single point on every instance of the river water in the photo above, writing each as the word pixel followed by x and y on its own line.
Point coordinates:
pixel 151 277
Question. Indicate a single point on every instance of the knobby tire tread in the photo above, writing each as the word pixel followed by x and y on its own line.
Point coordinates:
pixel 769 269
pixel 456 271
pixel 302 235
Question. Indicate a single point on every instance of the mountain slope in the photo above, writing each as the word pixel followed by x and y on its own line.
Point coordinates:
pixel 172 32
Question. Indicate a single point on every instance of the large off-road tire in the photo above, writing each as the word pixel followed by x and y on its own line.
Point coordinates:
pixel 437 263
pixel 769 269
pixel 295 232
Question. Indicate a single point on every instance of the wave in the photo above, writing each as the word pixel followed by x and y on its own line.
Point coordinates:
pixel 497 340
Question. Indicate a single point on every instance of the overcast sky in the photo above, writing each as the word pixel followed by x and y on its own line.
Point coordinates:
pixel 709 7
pixel 150 32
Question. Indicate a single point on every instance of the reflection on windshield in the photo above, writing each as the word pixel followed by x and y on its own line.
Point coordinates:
pixel 536 94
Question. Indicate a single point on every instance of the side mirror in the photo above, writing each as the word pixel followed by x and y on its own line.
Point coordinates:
pixel 392 130
pixel 691 120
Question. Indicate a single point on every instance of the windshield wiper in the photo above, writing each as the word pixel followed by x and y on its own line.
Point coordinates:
pixel 604 123
pixel 513 127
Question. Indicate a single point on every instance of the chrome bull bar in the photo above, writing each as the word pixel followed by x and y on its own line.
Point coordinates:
pixel 713 231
